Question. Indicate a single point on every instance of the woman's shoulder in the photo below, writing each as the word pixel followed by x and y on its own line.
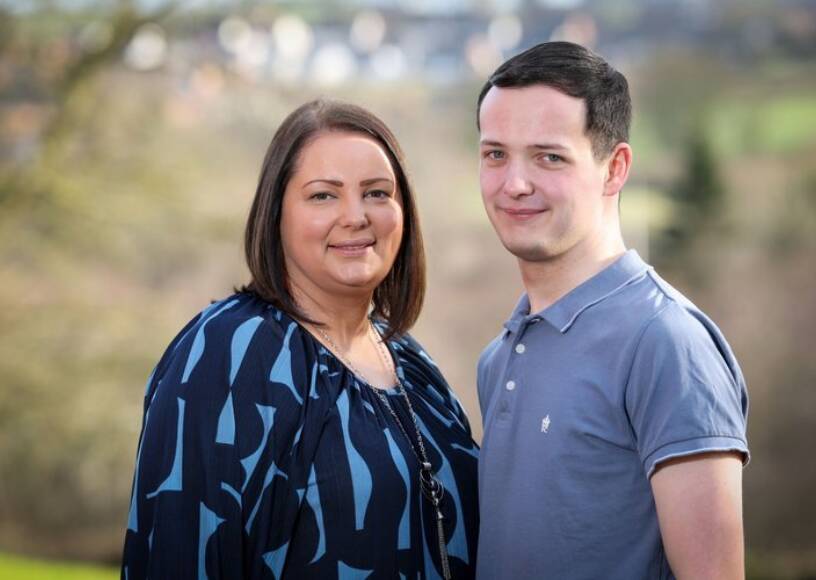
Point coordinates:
pixel 424 377
pixel 219 337
pixel 238 312
pixel 410 351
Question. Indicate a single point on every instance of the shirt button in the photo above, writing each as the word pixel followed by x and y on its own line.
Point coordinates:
pixel 510 385
pixel 520 348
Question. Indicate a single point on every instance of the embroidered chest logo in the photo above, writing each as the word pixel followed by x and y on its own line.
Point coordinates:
pixel 545 424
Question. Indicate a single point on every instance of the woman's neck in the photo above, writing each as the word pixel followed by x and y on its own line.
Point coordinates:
pixel 344 318
pixel 344 329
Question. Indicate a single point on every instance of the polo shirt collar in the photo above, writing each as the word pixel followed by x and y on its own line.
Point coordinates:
pixel 566 310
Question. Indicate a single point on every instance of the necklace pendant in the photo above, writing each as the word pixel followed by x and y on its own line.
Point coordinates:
pixel 443 550
pixel 430 486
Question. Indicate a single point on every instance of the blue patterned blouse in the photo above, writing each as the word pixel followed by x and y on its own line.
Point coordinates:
pixel 262 456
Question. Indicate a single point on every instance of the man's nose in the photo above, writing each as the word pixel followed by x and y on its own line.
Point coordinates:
pixel 517 183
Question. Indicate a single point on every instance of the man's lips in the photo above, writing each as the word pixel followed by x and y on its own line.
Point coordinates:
pixel 522 212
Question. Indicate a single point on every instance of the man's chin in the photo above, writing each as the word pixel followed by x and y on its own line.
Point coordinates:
pixel 531 252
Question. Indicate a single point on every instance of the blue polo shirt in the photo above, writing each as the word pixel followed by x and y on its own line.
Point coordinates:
pixel 581 402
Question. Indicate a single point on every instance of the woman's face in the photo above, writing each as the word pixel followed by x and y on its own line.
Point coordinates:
pixel 341 220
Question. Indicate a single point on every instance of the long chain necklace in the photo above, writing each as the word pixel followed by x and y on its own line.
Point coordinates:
pixel 432 488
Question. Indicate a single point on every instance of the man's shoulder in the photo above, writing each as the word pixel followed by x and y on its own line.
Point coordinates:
pixel 489 351
pixel 678 330
pixel 651 302
pixel 675 326
pixel 672 317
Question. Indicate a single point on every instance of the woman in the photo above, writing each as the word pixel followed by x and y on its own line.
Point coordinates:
pixel 294 429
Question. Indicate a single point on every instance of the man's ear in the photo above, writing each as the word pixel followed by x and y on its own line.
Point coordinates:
pixel 617 168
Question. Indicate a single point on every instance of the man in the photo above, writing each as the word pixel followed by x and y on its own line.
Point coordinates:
pixel 614 410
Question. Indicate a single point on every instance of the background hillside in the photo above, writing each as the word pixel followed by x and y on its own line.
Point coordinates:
pixel 131 135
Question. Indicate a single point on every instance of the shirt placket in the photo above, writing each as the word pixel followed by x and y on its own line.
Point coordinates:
pixel 513 379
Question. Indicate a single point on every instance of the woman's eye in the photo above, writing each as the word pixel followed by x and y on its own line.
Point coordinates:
pixel 320 196
pixel 378 193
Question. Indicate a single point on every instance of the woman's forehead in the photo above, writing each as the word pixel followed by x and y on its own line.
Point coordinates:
pixel 343 155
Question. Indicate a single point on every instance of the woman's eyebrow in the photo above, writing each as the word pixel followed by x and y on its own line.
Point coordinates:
pixel 335 182
pixel 339 183
pixel 366 182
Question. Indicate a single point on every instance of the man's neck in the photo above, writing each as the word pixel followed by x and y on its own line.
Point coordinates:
pixel 547 281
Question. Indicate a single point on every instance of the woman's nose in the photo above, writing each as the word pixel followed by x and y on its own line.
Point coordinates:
pixel 354 214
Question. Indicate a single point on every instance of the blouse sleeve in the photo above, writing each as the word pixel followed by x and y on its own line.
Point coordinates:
pixel 221 451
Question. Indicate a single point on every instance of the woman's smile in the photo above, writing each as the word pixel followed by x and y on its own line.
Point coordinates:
pixel 353 248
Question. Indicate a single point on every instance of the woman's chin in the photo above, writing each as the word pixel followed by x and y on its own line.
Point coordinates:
pixel 357 281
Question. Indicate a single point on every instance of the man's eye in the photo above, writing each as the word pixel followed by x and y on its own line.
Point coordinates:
pixel 553 158
pixel 495 154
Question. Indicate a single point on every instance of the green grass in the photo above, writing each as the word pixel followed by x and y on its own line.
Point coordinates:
pixel 20 568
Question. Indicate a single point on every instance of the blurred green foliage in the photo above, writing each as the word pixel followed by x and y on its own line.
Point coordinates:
pixel 777 124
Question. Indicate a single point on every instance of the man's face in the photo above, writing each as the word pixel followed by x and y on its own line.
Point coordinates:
pixel 541 185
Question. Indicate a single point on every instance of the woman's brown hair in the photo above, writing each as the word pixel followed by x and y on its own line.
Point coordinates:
pixel 398 299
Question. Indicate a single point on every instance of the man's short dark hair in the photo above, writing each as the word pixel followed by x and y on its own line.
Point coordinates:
pixel 577 72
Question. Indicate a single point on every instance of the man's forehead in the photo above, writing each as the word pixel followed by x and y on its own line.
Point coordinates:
pixel 533 103
pixel 532 97
pixel 530 115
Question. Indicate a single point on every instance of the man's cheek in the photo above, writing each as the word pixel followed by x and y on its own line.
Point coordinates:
pixel 490 182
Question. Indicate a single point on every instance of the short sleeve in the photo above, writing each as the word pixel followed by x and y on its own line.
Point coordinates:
pixel 683 397
pixel 225 412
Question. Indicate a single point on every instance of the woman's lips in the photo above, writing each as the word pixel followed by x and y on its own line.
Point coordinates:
pixel 352 248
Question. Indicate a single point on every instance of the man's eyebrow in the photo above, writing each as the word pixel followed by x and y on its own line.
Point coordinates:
pixel 549 146
pixel 538 146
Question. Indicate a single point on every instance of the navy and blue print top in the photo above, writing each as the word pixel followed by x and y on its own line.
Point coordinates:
pixel 263 456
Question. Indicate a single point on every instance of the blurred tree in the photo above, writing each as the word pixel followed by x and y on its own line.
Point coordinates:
pixel 698 195
pixel 60 481
pixel 700 188
pixel 59 93
pixel 6 24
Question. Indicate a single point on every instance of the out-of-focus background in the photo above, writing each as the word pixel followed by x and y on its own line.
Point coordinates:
pixel 132 132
